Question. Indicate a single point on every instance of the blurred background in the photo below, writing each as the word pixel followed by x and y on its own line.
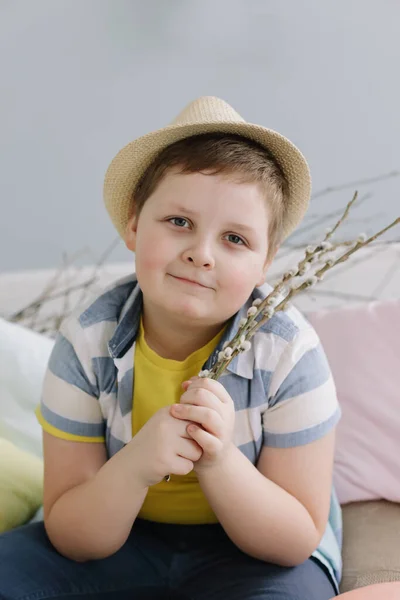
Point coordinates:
pixel 80 79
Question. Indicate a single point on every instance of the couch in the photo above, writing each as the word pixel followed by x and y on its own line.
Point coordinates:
pixel 356 313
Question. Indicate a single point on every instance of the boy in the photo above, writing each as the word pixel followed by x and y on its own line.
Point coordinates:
pixel 249 511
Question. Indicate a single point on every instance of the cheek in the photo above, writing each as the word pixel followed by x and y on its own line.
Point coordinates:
pixel 152 252
pixel 239 283
pixel 242 275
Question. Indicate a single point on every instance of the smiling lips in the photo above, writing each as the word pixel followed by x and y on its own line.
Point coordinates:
pixel 190 282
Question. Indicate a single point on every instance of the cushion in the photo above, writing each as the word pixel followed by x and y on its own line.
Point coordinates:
pixel 388 591
pixel 362 344
pixel 371 533
pixel 21 484
pixel 23 359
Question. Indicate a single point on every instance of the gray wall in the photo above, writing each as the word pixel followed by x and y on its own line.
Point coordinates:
pixel 81 78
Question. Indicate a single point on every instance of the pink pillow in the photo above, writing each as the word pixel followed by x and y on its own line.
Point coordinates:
pixel 362 344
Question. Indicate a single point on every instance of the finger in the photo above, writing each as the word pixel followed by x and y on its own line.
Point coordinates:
pixel 183 431
pixel 213 386
pixel 190 449
pixel 209 419
pixel 202 397
pixel 208 442
pixel 188 382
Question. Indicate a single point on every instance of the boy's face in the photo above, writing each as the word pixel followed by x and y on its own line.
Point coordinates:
pixel 203 228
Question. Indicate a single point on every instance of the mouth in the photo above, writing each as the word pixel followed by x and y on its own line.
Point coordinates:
pixel 190 282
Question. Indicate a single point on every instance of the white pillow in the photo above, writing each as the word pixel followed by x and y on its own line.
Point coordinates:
pixel 24 355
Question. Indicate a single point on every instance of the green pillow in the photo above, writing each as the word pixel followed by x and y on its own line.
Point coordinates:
pixel 21 485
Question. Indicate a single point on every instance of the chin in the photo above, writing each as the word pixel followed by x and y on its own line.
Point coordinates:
pixel 188 310
pixel 189 313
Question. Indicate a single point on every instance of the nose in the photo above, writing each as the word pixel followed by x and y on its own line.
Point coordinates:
pixel 200 256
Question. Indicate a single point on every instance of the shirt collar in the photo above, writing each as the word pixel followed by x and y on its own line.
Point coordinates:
pixel 243 363
pixel 127 331
pixel 127 328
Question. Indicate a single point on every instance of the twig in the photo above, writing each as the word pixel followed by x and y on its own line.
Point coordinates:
pixel 99 263
pixel 344 295
pixel 388 277
pixel 321 219
pixel 355 184
pixel 30 314
pixel 38 303
pixel 285 289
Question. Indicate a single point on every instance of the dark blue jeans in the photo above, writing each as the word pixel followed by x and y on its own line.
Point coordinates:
pixel 158 561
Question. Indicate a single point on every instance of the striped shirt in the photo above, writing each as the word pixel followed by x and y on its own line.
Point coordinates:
pixel 282 388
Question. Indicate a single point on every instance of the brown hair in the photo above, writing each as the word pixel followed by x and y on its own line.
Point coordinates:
pixel 228 154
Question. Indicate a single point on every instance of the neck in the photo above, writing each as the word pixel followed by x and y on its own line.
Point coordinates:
pixel 174 340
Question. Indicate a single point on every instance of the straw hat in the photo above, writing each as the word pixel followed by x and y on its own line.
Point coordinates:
pixel 204 115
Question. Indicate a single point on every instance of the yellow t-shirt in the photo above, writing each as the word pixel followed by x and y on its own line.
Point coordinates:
pixel 157 383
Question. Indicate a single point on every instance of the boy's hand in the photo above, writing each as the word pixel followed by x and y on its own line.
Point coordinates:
pixel 207 403
pixel 162 447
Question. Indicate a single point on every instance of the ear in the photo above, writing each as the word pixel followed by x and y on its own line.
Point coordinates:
pixel 266 266
pixel 131 233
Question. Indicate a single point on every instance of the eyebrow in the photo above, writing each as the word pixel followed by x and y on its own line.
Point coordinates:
pixel 242 226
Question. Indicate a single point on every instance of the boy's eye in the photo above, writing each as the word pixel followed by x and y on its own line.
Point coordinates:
pixel 178 220
pixel 235 239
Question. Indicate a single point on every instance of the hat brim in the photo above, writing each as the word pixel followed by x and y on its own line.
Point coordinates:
pixel 126 169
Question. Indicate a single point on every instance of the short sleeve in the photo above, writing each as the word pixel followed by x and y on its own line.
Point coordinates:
pixel 69 406
pixel 302 405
